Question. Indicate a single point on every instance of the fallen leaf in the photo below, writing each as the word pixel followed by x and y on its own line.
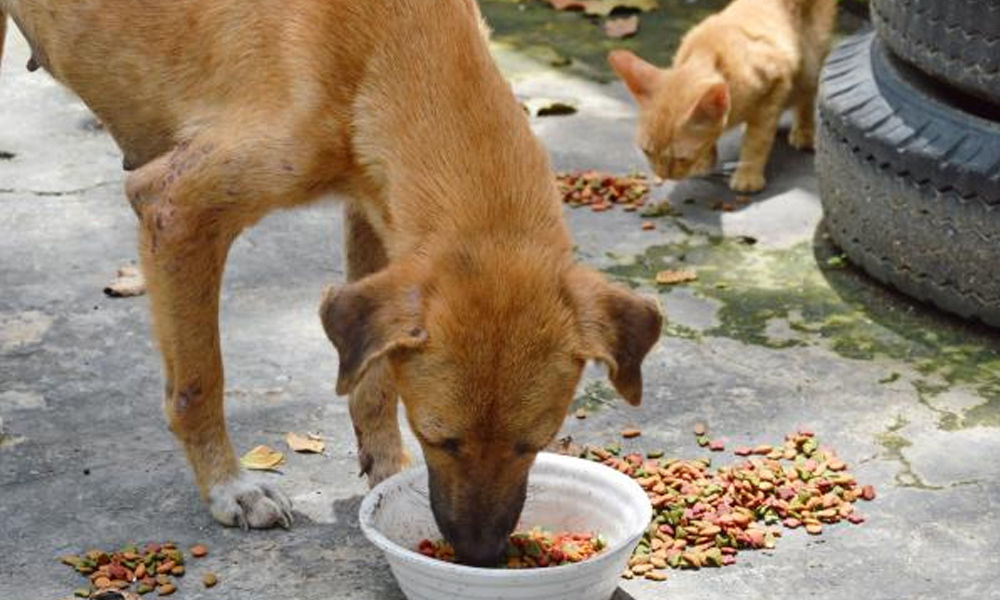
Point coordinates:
pixel 621 28
pixel 673 277
pixel 569 4
pixel 262 458
pixel 128 282
pixel 603 7
pixel 300 443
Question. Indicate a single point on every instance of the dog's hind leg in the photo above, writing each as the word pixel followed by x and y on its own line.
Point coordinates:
pixel 374 401
pixel 192 203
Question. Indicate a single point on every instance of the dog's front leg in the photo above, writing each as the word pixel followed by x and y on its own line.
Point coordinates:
pixel 192 203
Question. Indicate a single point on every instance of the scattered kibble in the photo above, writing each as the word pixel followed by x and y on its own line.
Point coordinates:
pixel 704 517
pixel 209 579
pixel 631 433
pixel 717 446
pixel 532 549
pixel 152 567
pixel 601 190
pixel 581 413
pixel 648 225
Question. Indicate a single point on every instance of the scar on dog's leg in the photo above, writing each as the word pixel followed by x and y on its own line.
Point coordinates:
pixel 188 220
pixel 373 403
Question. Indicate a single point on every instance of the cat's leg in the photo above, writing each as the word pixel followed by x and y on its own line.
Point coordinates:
pixel 803 130
pixel 758 140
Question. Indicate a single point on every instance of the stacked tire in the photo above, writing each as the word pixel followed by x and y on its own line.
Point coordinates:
pixel 908 151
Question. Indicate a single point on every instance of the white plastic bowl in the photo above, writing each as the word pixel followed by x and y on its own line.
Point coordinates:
pixel 564 494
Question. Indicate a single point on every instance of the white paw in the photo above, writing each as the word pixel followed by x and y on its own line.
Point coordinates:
pixel 801 139
pixel 747 181
pixel 248 503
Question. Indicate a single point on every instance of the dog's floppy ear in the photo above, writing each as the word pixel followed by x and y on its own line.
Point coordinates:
pixel 617 328
pixel 368 319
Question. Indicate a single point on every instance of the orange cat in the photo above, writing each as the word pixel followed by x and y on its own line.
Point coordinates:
pixel 745 64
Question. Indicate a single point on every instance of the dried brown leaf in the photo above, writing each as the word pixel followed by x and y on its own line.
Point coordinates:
pixel 674 277
pixel 262 458
pixel 621 28
pixel 304 443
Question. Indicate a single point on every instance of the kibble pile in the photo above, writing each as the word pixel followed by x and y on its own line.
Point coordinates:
pixel 704 517
pixel 154 567
pixel 600 191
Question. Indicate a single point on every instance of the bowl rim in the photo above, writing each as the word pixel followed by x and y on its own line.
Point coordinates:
pixel 395 551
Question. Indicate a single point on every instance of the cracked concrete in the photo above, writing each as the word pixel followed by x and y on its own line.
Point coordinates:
pixel 768 339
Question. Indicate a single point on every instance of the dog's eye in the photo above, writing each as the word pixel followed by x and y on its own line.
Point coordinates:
pixel 449 445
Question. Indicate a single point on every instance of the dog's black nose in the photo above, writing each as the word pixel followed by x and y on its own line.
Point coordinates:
pixel 481 553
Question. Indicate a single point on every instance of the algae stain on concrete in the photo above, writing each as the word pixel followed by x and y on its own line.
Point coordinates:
pixel 894 444
pixel 577 42
pixel 595 396
pixel 837 308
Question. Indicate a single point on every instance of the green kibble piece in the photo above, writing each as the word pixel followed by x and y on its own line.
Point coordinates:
pixel 82 593
pixel 655 454
pixel 143 589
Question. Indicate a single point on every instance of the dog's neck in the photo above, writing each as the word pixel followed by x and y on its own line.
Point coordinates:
pixel 455 161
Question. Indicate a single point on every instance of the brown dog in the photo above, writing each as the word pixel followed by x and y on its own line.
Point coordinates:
pixel 464 300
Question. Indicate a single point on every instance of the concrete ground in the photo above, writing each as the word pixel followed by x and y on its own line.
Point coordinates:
pixel 769 338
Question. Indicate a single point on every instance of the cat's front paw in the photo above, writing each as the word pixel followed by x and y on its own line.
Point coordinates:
pixel 801 138
pixel 747 181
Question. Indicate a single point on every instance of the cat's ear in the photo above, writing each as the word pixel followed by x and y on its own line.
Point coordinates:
pixel 713 106
pixel 639 76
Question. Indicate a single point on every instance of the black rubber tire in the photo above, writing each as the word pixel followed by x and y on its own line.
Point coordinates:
pixel 910 184
pixel 955 41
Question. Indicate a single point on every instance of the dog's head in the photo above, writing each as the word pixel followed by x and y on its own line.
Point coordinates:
pixel 487 351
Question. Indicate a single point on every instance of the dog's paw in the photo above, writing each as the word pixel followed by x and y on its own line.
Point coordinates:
pixel 249 504
pixel 801 138
pixel 747 181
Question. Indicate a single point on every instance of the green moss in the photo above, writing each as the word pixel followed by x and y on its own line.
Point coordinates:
pixel 577 42
pixel 894 444
pixel 597 394
pixel 837 308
